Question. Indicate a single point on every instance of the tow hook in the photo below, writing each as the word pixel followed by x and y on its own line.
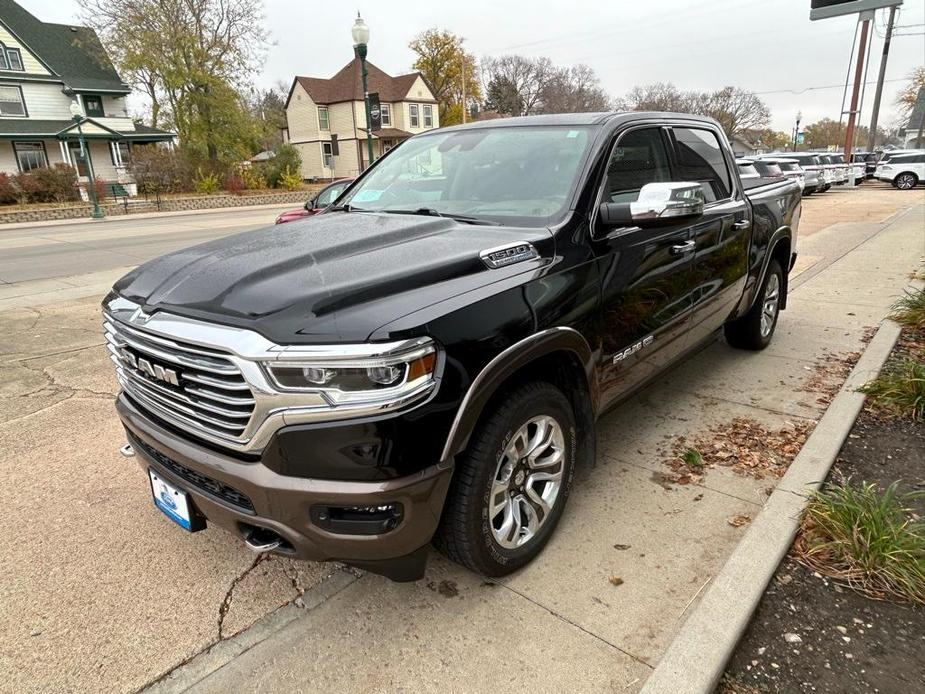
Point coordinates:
pixel 127 451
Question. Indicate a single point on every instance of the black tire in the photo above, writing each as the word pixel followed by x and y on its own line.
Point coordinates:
pixel 906 181
pixel 748 332
pixel 466 534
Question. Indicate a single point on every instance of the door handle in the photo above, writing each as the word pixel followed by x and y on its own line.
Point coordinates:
pixel 682 248
pixel 741 225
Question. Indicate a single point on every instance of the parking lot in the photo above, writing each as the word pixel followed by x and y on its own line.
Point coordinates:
pixel 100 592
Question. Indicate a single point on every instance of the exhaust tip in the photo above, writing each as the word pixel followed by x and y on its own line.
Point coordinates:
pixel 127 451
pixel 262 540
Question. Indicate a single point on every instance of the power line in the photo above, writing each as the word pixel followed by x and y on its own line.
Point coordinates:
pixel 827 86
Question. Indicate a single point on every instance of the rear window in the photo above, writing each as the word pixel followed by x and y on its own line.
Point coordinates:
pixel 788 166
pixel 700 159
pixel 748 170
pixel 767 169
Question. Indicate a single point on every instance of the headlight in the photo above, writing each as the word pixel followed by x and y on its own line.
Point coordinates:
pixel 406 372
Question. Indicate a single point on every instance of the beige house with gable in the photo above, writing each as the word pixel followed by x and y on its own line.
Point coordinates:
pixel 318 109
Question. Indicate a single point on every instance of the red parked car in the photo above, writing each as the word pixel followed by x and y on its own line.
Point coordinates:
pixel 324 198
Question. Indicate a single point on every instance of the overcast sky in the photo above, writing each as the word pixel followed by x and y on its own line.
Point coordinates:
pixel 768 46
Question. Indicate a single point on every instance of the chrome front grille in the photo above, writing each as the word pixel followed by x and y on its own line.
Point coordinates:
pixel 196 388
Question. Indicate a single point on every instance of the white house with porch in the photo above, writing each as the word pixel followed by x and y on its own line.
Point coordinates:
pixel 44 68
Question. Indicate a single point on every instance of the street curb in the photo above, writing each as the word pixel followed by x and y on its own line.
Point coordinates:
pixel 697 657
pixel 200 666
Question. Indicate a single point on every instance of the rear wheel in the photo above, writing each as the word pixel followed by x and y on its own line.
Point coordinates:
pixel 906 181
pixel 511 484
pixel 755 329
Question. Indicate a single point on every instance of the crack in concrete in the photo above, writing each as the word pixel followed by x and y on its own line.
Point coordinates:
pixel 229 595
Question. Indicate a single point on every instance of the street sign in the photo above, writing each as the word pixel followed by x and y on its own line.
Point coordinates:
pixel 823 9
pixel 375 111
pixel 800 138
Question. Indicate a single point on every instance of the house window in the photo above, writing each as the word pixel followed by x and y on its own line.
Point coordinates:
pixel 413 114
pixel 327 155
pixel 386 112
pixel 428 116
pixel 11 101
pixel 323 118
pixel 10 58
pixel 30 155
pixel 93 105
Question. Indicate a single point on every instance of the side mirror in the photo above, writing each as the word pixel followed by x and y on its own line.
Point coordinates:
pixel 310 205
pixel 659 204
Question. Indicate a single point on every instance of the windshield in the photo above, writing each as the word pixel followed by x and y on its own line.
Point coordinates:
pixel 513 175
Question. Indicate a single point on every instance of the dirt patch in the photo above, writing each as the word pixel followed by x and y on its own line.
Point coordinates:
pixel 744 445
pixel 812 634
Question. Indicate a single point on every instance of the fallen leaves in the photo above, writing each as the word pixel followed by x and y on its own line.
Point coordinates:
pixel 743 444
pixel 828 374
pixel 616 581
pixel 739 520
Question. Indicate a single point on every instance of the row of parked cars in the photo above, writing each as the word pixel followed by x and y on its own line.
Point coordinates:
pixel 817 172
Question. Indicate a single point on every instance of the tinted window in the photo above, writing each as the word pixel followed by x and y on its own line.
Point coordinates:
pixel 767 169
pixel 640 157
pixel 908 159
pixel 700 159
pixel 788 166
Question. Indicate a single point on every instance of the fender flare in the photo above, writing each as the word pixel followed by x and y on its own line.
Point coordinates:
pixel 782 233
pixel 501 367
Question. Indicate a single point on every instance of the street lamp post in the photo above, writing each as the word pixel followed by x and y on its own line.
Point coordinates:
pixel 360 34
pixel 796 130
pixel 79 118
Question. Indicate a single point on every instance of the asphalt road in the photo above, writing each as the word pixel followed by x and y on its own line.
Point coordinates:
pixel 74 248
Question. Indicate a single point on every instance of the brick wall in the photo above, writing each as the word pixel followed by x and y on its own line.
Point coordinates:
pixel 136 205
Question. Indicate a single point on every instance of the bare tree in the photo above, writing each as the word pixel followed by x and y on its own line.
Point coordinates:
pixel 660 96
pixel 515 81
pixel 573 90
pixel 737 110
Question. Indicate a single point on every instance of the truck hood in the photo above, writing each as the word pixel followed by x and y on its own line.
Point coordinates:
pixel 329 278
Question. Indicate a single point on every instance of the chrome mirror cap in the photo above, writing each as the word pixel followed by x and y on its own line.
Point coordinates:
pixel 661 200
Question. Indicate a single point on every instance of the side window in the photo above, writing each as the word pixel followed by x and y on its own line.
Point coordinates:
pixel 640 157
pixel 700 160
pixel 328 196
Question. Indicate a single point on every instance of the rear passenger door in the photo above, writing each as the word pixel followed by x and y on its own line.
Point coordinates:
pixel 646 273
pixel 721 236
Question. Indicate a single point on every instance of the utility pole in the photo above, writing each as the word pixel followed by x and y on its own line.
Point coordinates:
pixel 462 59
pixel 852 114
pixel 872 139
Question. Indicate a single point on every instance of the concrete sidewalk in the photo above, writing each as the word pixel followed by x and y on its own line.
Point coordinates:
pixel 561 623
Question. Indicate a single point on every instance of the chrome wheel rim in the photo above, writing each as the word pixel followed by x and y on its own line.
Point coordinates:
pixel 527 482
pixel 905 182
pixel 771 302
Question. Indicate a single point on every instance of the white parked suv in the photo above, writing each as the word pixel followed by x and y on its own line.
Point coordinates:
pixel 904 171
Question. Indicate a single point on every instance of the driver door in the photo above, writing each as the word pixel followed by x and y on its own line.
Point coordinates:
pixel 646 274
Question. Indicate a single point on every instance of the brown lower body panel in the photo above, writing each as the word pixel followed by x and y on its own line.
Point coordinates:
pixel 283 504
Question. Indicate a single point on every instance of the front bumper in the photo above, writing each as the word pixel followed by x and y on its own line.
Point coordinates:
pixel 287 506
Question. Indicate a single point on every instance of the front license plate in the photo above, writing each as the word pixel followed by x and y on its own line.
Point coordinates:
pixel 174 502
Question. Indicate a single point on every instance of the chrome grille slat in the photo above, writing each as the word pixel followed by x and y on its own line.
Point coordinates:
pixel 196 388
pixel 120 340
pixel 136 387
pixel 205 380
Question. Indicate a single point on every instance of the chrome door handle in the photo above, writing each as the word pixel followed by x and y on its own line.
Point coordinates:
pixel 742 225
pixel 682 248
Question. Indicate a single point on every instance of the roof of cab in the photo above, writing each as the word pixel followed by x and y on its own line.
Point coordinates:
pixel 578 119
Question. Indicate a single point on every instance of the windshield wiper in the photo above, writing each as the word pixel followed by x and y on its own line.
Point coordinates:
pixel 431 212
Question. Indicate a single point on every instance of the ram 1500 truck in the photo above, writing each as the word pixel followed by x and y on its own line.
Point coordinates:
pixel 426 359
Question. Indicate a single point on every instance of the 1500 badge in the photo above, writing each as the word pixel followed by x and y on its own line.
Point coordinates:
pixel 632 349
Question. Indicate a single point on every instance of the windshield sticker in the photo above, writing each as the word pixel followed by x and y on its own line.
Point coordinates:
pixel 367 195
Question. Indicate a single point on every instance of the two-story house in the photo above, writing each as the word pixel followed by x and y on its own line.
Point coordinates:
pixel 318 109
pixel 44 68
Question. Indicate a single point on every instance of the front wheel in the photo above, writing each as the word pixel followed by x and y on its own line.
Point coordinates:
pixel 755 329
pixel 906 181
pixel 511 484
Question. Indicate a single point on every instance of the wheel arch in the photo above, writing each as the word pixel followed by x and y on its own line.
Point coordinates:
pixel 561 356
pixel 780 248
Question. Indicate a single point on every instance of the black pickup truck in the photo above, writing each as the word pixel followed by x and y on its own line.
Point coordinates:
pixel 425 360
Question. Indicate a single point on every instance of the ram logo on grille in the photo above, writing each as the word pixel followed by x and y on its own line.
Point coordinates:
pixel 155 371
